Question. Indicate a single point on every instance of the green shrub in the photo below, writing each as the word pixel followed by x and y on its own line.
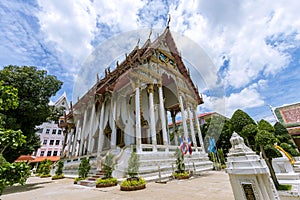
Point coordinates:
pixel 106 181
pixel 108 165
pixel 45 175
pixel 285 187
pixel 11 173
pixel 84 168
pixel 134 182
pixel 180 174
pixel 78 179
pixel 179 160
pixel 44 168
pixel 60 176
pixel 60 166
pixel 133 165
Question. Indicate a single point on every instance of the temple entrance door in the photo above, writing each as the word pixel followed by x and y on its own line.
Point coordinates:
pixel 120 138
pixel 159 138
pixel 107 137
pixel 144 135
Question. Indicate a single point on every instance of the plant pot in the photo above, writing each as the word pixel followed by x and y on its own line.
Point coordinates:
pixel 133 188
pixel 182 177
pixel 106 185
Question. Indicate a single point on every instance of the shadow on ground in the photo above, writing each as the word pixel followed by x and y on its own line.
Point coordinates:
pixel 24 188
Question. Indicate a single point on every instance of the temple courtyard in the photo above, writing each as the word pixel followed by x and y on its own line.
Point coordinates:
pixel 210 185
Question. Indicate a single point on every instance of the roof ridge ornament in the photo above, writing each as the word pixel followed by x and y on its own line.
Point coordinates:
pixel 150 34
pixel 169 19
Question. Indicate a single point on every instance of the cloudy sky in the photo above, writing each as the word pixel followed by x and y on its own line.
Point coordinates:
pixel 253 45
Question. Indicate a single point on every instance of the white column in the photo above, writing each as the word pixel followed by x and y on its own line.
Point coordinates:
pixel 199 131
pixel 83 131
pixel 185 130
pixel 173 115
pixel 101 136
pixel 75 138
pixel 113 139
pixel 69 141
pixel 91 130
pixel 138 133
pixel 152 116
pixel 162 115
pixel 192 128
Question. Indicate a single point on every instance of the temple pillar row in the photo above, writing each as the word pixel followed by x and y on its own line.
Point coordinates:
pixel 91 128
pixel 185 129
pixel 199 130
pixel 82 133
pixel 152 116
pixel 101 129
pixel 192 127
pixel 138 120
pixel 77 133
pixel 162 115
pixel 173 115
pixel 113 128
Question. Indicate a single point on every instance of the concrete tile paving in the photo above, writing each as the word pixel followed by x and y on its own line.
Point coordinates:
pixel 212 185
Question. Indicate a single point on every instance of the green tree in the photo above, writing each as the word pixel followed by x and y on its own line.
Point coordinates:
pixel 248 133
pixel 84 167
pixel 108 165
pixel 60 166
pixel 179 161
pixel 266 140
pixel 15 172
pixel 8 97
pixel 133 165
pixel 34 88
pixel 264 125
pixel 282 133
pixel 240 119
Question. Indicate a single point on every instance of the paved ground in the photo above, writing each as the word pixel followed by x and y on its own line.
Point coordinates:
pixel 210 185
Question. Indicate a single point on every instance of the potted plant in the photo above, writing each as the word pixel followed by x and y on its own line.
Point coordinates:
pixel 44 169
pixel 133 182
pixel 180 172
pixel 83 170
pixel 59 171
pixel 107 167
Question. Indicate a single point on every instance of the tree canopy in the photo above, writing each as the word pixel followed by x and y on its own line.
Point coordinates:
pixel 34 88
pixel 240 119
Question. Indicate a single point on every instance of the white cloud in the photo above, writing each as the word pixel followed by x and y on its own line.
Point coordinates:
pixel 69 26
pixel 239 30
pixel 247 98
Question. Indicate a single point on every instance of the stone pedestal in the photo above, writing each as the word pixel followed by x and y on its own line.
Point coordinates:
pixel 249 175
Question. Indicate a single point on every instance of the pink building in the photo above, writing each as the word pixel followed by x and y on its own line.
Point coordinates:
pixel 52 139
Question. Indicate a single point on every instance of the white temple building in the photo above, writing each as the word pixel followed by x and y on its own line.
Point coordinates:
pixel 127 111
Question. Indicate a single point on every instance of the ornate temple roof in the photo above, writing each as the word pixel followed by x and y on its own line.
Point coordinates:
pixel 138 56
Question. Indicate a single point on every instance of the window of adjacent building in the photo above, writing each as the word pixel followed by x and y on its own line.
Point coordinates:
pixel 47 131
pixel 44 142
pixel 54 131
pixel 59 132
pixel 51 142
pixel 42 153
pixel 57 142
pixel 49 153
pixel 54 153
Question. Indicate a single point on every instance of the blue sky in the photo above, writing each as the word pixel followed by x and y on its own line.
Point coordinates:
pixel 253 45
